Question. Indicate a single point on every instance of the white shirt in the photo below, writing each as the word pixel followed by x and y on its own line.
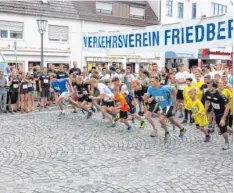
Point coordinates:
pixel 105 78
pixel 181 76
pixel 103 89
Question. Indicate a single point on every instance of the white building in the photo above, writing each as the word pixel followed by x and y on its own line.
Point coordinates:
pixel 20 40
pixel 174 11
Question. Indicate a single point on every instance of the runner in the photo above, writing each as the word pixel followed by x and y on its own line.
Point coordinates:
pixel 164 96
pixel 44 87
pixel 60 86
pixel 220 107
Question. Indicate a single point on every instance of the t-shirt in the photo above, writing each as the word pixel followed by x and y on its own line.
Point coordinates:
pixel 45 80
pixel 181 76
pixel 60 85
pixel 217 100
pixel 124 105
pixel 14 87
pixel 140 93
pixel 76 71
pixel 103 89
pixel 61 75
pixel 162 95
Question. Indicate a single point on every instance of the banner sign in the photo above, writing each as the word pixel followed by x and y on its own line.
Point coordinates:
pixel 188 35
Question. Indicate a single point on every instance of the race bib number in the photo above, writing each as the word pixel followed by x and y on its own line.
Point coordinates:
pixel 215 106
pixel 25 86
pixel 159 98
pixel 194 109
pixel 85 92
pixel 46 81
pixel 15 86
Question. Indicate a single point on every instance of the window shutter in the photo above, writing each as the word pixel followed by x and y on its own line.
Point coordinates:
pixel 12 26
pixel 59 33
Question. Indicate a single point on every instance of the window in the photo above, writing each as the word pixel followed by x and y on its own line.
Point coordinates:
pixel 3 34
pixel 58 33
pixel 16 35
pixel 169 7
pixel 11 29
pixel 136 12
pixel 218 9
pixel 180 10
pixel 105 8
pixel 194 10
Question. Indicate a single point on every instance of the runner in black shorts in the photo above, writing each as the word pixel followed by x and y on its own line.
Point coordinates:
pixel 14 90
pixel 220 107
pixel 44 86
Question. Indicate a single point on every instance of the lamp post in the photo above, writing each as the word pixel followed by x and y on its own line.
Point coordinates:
pixel 41 23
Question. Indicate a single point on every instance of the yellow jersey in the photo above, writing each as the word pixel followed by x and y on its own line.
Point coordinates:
pixel 186 96
pixel 199 92
pixel 198 111
pixel 228 94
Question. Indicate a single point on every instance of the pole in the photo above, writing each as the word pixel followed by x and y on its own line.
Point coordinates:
pixel 42 51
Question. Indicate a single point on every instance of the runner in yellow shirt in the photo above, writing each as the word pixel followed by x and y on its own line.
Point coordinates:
pixel 198 86
pixel 198 113
pixel 186 102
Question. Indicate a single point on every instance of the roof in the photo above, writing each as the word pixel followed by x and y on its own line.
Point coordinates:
pixel 62 9
pixel 87 12
pixel 75 10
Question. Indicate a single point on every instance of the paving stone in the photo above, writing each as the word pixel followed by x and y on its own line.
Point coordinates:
pixel 41 153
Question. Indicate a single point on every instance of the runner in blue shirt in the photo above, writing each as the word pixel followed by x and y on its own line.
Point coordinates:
pixel 164 96
pixel 61 86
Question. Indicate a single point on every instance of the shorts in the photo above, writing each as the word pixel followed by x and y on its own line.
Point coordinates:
pixel 108 103
pixel 31 93
pixel 87 99
pixel 123 114
pixel 155 108
pixel 210 109
pixel 64 95
pixel 168 111
pixel 80 99
pixel 75 98
pixel 180 95
pixel 218 118
pixel 14 97
pixel 45 92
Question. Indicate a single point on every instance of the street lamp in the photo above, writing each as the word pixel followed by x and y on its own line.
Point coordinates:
pixel 41 23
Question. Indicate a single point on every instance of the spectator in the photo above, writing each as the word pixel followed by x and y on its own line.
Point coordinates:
pixel 75 69
pixel 3 92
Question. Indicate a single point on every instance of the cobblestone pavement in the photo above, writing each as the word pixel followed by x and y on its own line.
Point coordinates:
pixel 40 153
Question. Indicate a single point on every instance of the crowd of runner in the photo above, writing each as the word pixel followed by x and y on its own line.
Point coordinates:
pixel 200 97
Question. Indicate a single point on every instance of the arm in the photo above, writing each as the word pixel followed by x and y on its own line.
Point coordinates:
pixel 227 108
pixel 70 86
pixel 174 94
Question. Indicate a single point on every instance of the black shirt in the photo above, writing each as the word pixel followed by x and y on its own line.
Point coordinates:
pixel 14 87
pixel 140 93
pixel 45 80
pixel 217 100
pixel 61 75
pixel 23 86
pixel 76 71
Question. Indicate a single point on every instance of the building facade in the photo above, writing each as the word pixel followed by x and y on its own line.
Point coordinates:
pixel 174 11
pixel 67 21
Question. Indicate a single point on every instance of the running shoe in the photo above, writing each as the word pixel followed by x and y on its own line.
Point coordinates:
pixel 89 115
pixel 182 132
pixel 226 146
pixel 83 111
pixel 111 125
pixel 154 133
pixel 142 125
pixel 181 116
pixel 116 118
pixel 190 123
pixel 103 116
pixel 74 111
pixel 184 121
pixel 129 128
pixel 94 109
pixel 210 125
pixel 167 134
pixel 133 120
pixel 208 138
pixel 61 114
